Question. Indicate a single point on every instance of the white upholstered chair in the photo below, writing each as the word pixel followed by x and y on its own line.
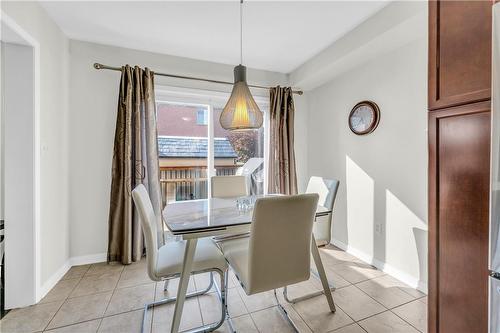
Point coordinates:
pixel 166 262
pixel 278 251
pixel 229 186
pixel 327 191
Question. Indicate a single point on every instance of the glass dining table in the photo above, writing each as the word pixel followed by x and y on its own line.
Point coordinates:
pixel 196 219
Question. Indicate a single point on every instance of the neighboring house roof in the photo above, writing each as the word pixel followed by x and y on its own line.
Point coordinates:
pixel 178 146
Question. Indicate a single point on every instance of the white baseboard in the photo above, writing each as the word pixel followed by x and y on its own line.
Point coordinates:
pixel 384 267
pixel 89 259
pixel 52 281
pixel 73 261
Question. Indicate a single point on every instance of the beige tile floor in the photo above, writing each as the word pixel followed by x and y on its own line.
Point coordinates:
pixel 109 298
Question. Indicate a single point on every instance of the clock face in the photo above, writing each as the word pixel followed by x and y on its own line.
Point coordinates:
pixel 363 118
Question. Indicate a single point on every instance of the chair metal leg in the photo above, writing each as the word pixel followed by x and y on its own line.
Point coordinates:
pixel 206 328
pixel 322 274
pixel 210 284
pixel 308 296
pixel 223 295
pixel 285 313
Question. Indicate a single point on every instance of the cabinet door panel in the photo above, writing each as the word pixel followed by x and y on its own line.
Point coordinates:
pixel 459 52
pixel 459 163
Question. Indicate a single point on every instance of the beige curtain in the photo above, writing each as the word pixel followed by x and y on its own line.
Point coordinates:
pixel 282 172
pixel 135 161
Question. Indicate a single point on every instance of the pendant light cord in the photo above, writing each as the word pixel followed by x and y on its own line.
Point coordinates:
pixel 241 32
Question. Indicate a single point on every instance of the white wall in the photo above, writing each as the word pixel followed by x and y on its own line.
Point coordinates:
pixel 381 208
pixel 54 248
pixel 301 140
pixel 93 105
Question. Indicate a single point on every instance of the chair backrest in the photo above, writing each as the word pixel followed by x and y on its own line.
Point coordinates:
pixel 229 186
pixel 280 242
pixel 326 189
pixel 148 223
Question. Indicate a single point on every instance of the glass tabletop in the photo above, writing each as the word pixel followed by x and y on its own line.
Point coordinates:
pixel 207 214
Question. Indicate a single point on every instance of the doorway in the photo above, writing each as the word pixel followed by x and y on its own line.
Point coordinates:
pixel 19 164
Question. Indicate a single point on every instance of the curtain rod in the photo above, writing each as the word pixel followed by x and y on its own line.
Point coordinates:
pixel 101 66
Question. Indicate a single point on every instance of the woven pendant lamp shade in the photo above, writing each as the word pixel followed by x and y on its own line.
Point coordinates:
pixel 241 112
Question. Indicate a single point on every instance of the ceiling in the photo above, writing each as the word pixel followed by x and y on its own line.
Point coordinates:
pixel 277 35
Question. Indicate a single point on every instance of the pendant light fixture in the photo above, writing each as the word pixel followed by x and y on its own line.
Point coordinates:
pixel 241 112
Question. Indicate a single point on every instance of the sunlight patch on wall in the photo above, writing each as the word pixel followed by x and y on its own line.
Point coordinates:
pixel 402 225
pixel 360 207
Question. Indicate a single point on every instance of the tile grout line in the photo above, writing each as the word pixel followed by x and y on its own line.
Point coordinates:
pixel 76 285
pixel 152 311
pixel 110 298
pixel 80 322
pixel 406 321
pixel 248 311
pixel 93 293
pixel 385 307
pixel 300 316
pixel 337 305
pixel 390 308
pixel 353 284
pixel 362 328
pixel 97 318
pixel 199 308
pixel 197 297
pixel 400 288
pixel 103 316
pixel 405 303
pixel 63 302
pixel 253 322
pixel 344 326
pixel 373 315
pixel 357 322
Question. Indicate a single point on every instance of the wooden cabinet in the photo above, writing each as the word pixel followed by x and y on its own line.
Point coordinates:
pixel 459 165
pixel 459 52
pixel 459 150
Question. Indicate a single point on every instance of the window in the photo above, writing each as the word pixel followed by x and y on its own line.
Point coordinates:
pixel 202 117
pixel 182 150
pixel 189 154
pixel 247 149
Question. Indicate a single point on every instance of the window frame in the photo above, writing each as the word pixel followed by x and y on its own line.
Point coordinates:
pixel 211 99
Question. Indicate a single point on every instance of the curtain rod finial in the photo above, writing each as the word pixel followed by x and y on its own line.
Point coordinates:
pixel 97 65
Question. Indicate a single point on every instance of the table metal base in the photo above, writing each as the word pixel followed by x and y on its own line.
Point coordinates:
pixel 222 298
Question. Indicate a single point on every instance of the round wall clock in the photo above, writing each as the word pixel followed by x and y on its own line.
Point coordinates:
pixel 364 117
